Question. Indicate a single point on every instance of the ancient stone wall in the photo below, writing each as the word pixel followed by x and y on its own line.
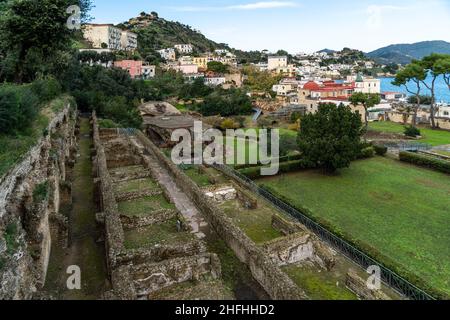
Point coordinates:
pixel 276 283
pixel 29 204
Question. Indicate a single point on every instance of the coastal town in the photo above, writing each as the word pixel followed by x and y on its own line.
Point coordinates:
pixel 305 80
pixel 136 163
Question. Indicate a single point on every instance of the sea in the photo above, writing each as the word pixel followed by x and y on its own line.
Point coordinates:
pixel 442 90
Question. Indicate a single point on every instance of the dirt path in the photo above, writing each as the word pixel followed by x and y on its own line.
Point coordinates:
pixel 84 249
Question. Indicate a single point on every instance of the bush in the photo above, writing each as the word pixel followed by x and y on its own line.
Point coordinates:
pixel 46 89
pixel 368 152
pixel 425 161
pixel 380 150
pixel 40 192
pixel 412 131
pixel 229 124
pixel 107 124
pixel 18 108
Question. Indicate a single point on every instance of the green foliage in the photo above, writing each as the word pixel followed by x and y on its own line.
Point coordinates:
pixel 226 103
pixel 330 138
pixel 195 89
pixel 46 89
pixel 260 80
pixel 218 67
pixel 18 108
pixel 426 161
pixel 411 131
pixel 107 124
pixel 40 192
pixel 285 167
pixel 10 236
pixel 367 100
pixel 380 150
pixel 368 152
pixel 424 99
pixel 34 37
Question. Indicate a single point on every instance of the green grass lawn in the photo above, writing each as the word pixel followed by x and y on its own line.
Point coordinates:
pixel 257 223
pixel 398 211
pixel 144 206
pixel 433 137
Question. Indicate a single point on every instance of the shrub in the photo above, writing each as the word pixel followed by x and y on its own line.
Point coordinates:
pixel 368 152
pixel 18 108
pixel 107 124
pixel 40 192
pixel 46 89
pixel 229 124
pixel 412 131
pixel 285 167
pixel 380 150
pixel 426 161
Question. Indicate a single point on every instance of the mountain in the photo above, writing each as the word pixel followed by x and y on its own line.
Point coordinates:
pixel 156 33
pixel 405 53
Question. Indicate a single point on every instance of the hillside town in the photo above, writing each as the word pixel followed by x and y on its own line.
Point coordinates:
pixel 306 80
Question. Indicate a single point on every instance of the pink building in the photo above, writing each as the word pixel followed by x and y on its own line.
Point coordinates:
pixel 133 67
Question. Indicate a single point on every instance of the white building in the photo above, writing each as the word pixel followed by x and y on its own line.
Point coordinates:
pixel 215 81
pixel 366 85
pixel 184 48
pixel 129 41
pixel 443 111
pixel 148 72
pixel 103 36
pixel 168 54
pixel 276 62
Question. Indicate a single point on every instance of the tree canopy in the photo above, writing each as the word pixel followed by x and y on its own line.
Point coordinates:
pixel 330 138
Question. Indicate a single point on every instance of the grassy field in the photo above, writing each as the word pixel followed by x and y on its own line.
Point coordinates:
pixel 398 212
pixel 433 137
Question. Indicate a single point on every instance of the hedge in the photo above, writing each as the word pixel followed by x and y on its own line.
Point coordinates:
pixel 425 161
pixel 285 167
pixel 290 158
pixel 380 150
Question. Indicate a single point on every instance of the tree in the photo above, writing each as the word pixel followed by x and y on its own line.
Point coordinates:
pixel 218 67
pixel 226 103
pixel 430 65
pixel 32 35
pixel 367 100
pixel 330 138
pixel 443 67
pixel 414 73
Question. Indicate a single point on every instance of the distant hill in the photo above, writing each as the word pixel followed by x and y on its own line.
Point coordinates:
pixel 156 33
pixel 404 53
pixel 327 51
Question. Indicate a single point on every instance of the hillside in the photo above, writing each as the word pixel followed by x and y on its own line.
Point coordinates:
pixel 404 53
pixel 155 33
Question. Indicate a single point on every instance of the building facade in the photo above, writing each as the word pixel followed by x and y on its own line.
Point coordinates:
pixel 184 48
pixel 276 62
pixel 103 36
pixel 129 41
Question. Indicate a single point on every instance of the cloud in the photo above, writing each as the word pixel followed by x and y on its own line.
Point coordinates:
pixel 248 6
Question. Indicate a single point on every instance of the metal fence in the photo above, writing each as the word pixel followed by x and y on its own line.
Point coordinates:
pixel 388 276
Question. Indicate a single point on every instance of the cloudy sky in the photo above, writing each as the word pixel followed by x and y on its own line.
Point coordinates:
pixel 297 25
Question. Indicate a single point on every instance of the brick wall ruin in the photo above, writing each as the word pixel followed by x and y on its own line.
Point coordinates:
pixel 30 195
pixel 138 273
pixel 264 270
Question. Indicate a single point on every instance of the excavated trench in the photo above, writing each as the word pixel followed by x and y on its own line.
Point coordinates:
pixel 85 248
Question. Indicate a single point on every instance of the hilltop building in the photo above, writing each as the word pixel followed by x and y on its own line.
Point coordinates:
pixel 107 36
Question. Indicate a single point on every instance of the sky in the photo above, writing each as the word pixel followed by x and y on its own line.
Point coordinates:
pixel 296 25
